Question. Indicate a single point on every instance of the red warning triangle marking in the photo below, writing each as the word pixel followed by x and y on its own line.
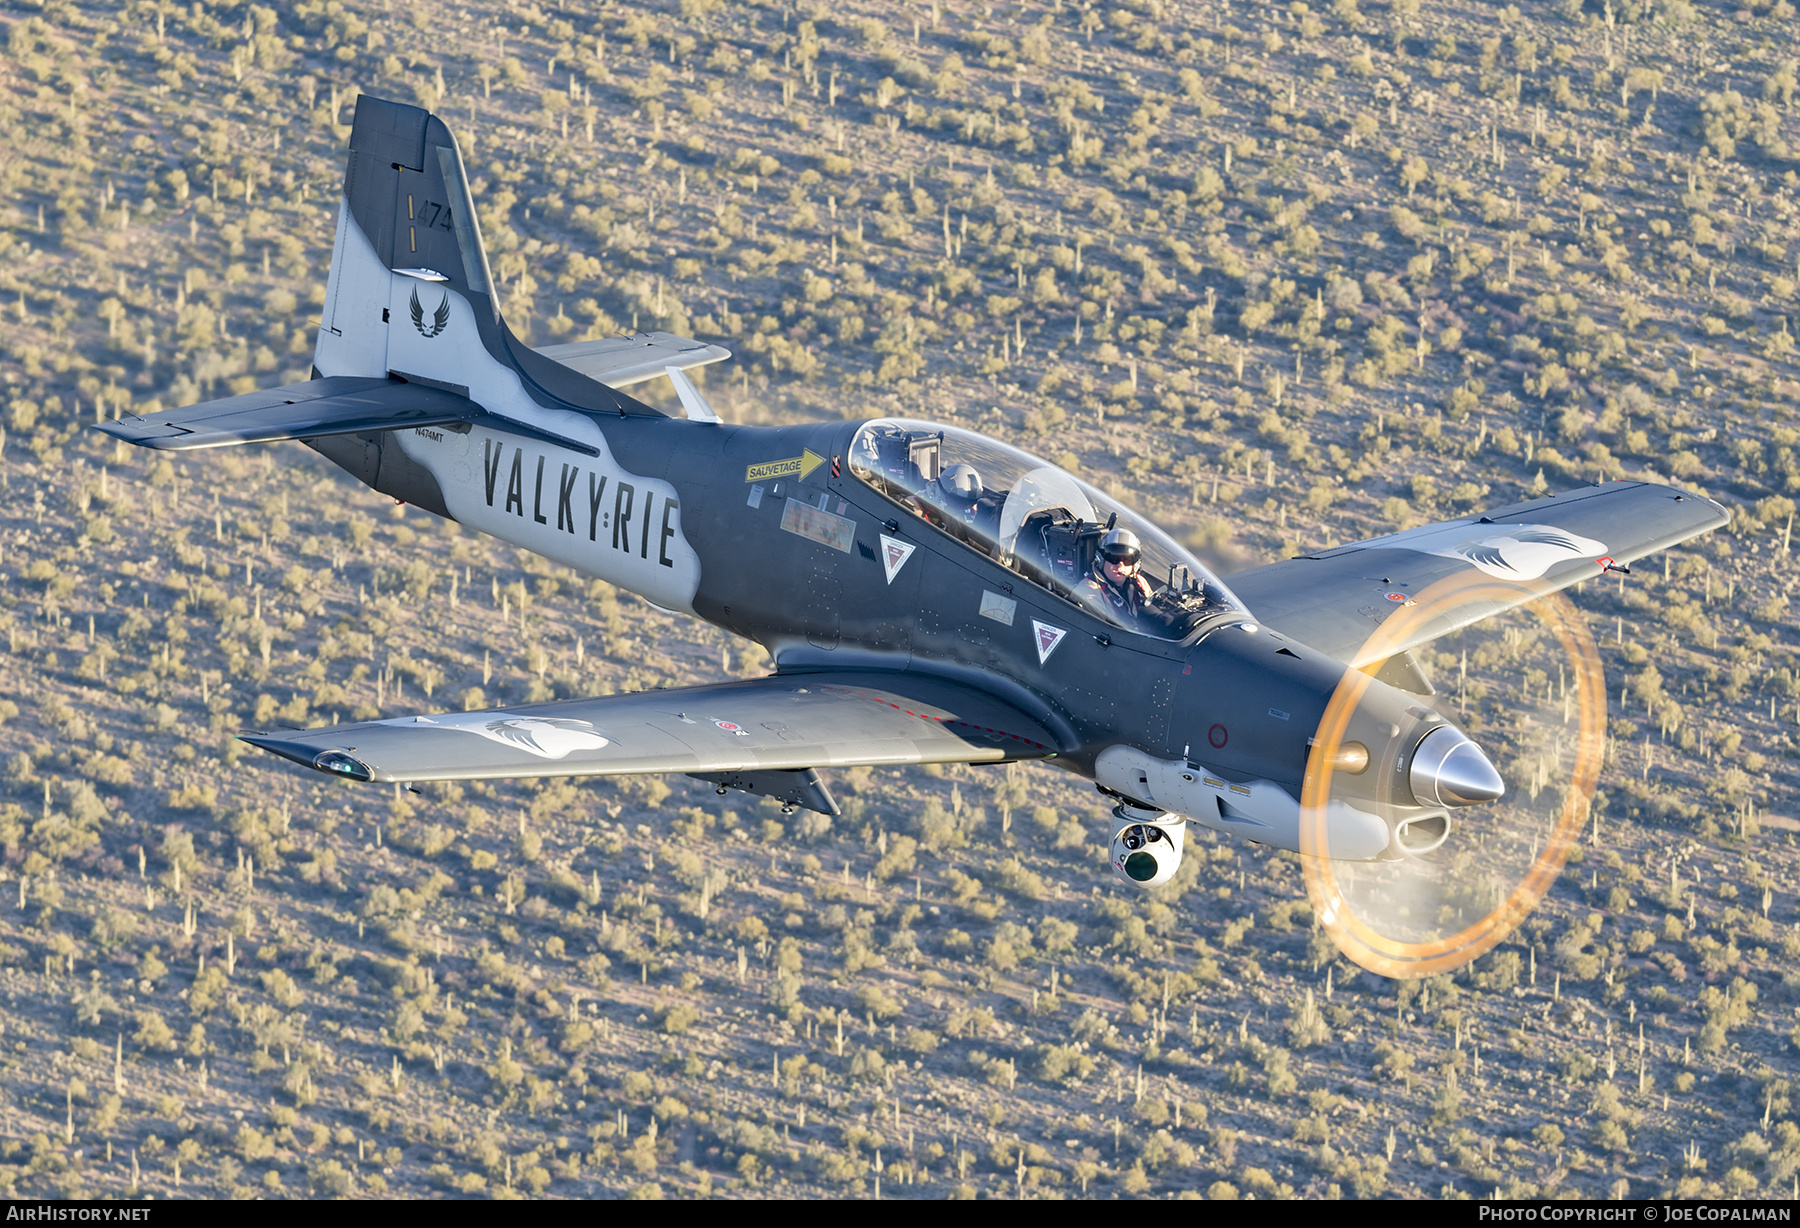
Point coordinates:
pixel 1047 637
pixel 894 555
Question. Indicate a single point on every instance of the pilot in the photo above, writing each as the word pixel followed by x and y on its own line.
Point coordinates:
pixel 959 492
pixel 1115 579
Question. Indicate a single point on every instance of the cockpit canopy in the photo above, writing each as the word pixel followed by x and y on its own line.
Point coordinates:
pixel 1040 521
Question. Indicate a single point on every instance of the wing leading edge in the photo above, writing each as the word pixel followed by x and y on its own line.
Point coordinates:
pixel 786 723
pixel 1336 599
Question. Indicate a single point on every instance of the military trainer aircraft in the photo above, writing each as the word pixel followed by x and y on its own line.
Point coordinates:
pixel 928 594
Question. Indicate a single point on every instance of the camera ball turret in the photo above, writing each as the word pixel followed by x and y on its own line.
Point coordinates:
pixel 1147 852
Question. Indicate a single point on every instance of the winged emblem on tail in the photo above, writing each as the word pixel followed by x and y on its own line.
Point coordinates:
pixel 440 318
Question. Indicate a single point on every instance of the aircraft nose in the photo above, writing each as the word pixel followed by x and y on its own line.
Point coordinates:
pixel 1449 770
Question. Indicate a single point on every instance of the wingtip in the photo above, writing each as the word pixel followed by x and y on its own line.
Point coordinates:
pixel 329 761
pixel 277 746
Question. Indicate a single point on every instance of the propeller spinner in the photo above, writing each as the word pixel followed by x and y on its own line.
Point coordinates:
pixel 1448 769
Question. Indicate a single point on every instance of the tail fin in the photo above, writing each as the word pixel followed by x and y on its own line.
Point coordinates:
pixel 406 207
pixel 410 292
pixel 411 334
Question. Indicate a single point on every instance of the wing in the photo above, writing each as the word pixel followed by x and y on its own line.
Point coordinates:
pixel 789 722
pixel 441 316
pixel 1334 600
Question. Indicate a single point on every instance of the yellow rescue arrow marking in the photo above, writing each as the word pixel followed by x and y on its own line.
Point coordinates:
pixel 794 466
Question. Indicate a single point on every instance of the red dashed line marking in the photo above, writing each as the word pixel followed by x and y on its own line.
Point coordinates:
pixel 943 720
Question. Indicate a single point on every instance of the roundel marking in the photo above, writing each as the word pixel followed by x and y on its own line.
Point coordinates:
pixel 1217 736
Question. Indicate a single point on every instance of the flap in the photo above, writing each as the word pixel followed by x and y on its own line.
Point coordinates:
pixel 619 362
pixel 1335 600
pixel 783 723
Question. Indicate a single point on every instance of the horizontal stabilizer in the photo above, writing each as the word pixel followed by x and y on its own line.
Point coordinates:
pixel 334 405
pixel 619 362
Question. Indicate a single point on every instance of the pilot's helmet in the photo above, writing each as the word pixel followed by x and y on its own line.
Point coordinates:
pixel 961 483
pixel 1121 546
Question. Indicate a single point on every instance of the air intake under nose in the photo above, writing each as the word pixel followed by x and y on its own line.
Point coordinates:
pixel 1449 770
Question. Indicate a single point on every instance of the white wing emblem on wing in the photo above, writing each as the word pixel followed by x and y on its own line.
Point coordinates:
pixel 548 737
pixel 1504 551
